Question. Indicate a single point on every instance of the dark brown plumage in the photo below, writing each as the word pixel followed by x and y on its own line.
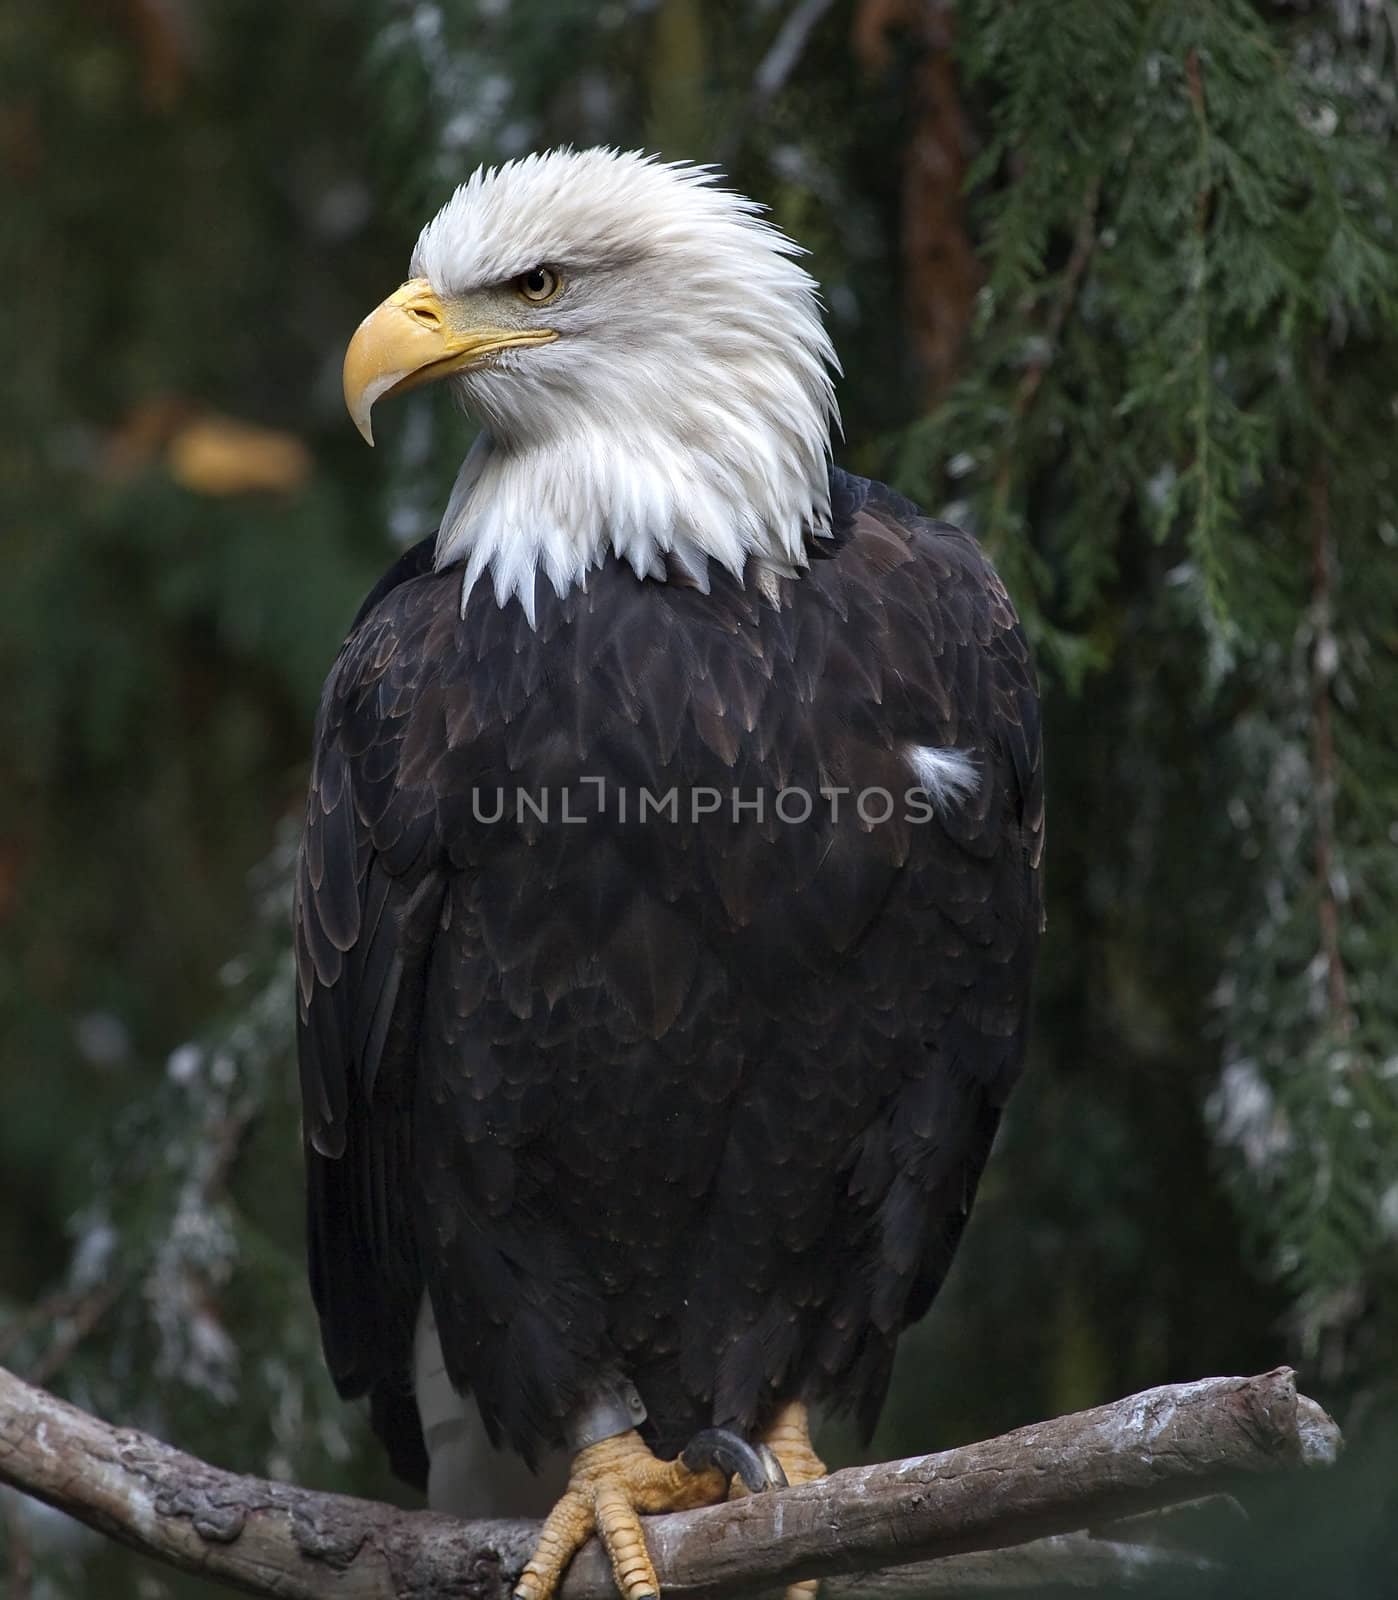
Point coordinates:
pixel 702 1101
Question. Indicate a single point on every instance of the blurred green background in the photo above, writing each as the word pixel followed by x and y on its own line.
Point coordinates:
pixel 1115 283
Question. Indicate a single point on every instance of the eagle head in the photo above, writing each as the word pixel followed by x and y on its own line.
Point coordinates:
pixel 647 361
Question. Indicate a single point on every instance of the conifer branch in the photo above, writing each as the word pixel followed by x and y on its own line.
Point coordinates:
pixel 69 1315
pixel 1084 241
pixel 1151 1450
pixel 1323 662
pixel 1207 514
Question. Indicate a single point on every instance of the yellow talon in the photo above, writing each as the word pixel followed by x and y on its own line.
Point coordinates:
pixel 788 1436
pixel 609 1484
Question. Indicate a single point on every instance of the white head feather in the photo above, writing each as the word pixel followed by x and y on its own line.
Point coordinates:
pixel 684 409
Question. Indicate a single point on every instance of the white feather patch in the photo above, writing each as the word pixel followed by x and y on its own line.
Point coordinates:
pixel 684 409
pixel 947 776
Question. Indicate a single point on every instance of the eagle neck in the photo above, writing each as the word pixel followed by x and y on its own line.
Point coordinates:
pixel 558 507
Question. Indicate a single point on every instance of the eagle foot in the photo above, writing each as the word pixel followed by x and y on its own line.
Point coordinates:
pixel 787 1439
pixel 610 1483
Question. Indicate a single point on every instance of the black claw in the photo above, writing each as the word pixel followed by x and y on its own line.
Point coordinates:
pixel 722 1448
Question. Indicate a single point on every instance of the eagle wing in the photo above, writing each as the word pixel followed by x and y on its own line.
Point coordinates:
pixel 958 677
pixel 898 956
pixel 369 888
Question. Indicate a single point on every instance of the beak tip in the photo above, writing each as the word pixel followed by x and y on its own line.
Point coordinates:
pixel 360 413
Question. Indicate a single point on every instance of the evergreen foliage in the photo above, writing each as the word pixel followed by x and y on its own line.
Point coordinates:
pixel 1171 421
pixel 1187 332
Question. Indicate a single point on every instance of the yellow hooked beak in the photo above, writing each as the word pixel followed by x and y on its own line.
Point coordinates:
pixel 414 338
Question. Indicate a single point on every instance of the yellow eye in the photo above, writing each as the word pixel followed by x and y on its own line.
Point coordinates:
pixel 538 286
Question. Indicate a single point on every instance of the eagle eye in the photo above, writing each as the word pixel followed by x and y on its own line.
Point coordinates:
pixel 538 286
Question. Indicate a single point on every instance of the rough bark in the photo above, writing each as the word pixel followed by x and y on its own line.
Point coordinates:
pixel 1151 1450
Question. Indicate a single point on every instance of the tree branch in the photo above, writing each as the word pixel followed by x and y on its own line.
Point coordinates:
pixel 1151 1450
pixel 941 274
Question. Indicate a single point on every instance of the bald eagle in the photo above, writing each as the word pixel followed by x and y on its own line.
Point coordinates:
pixel 669 890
